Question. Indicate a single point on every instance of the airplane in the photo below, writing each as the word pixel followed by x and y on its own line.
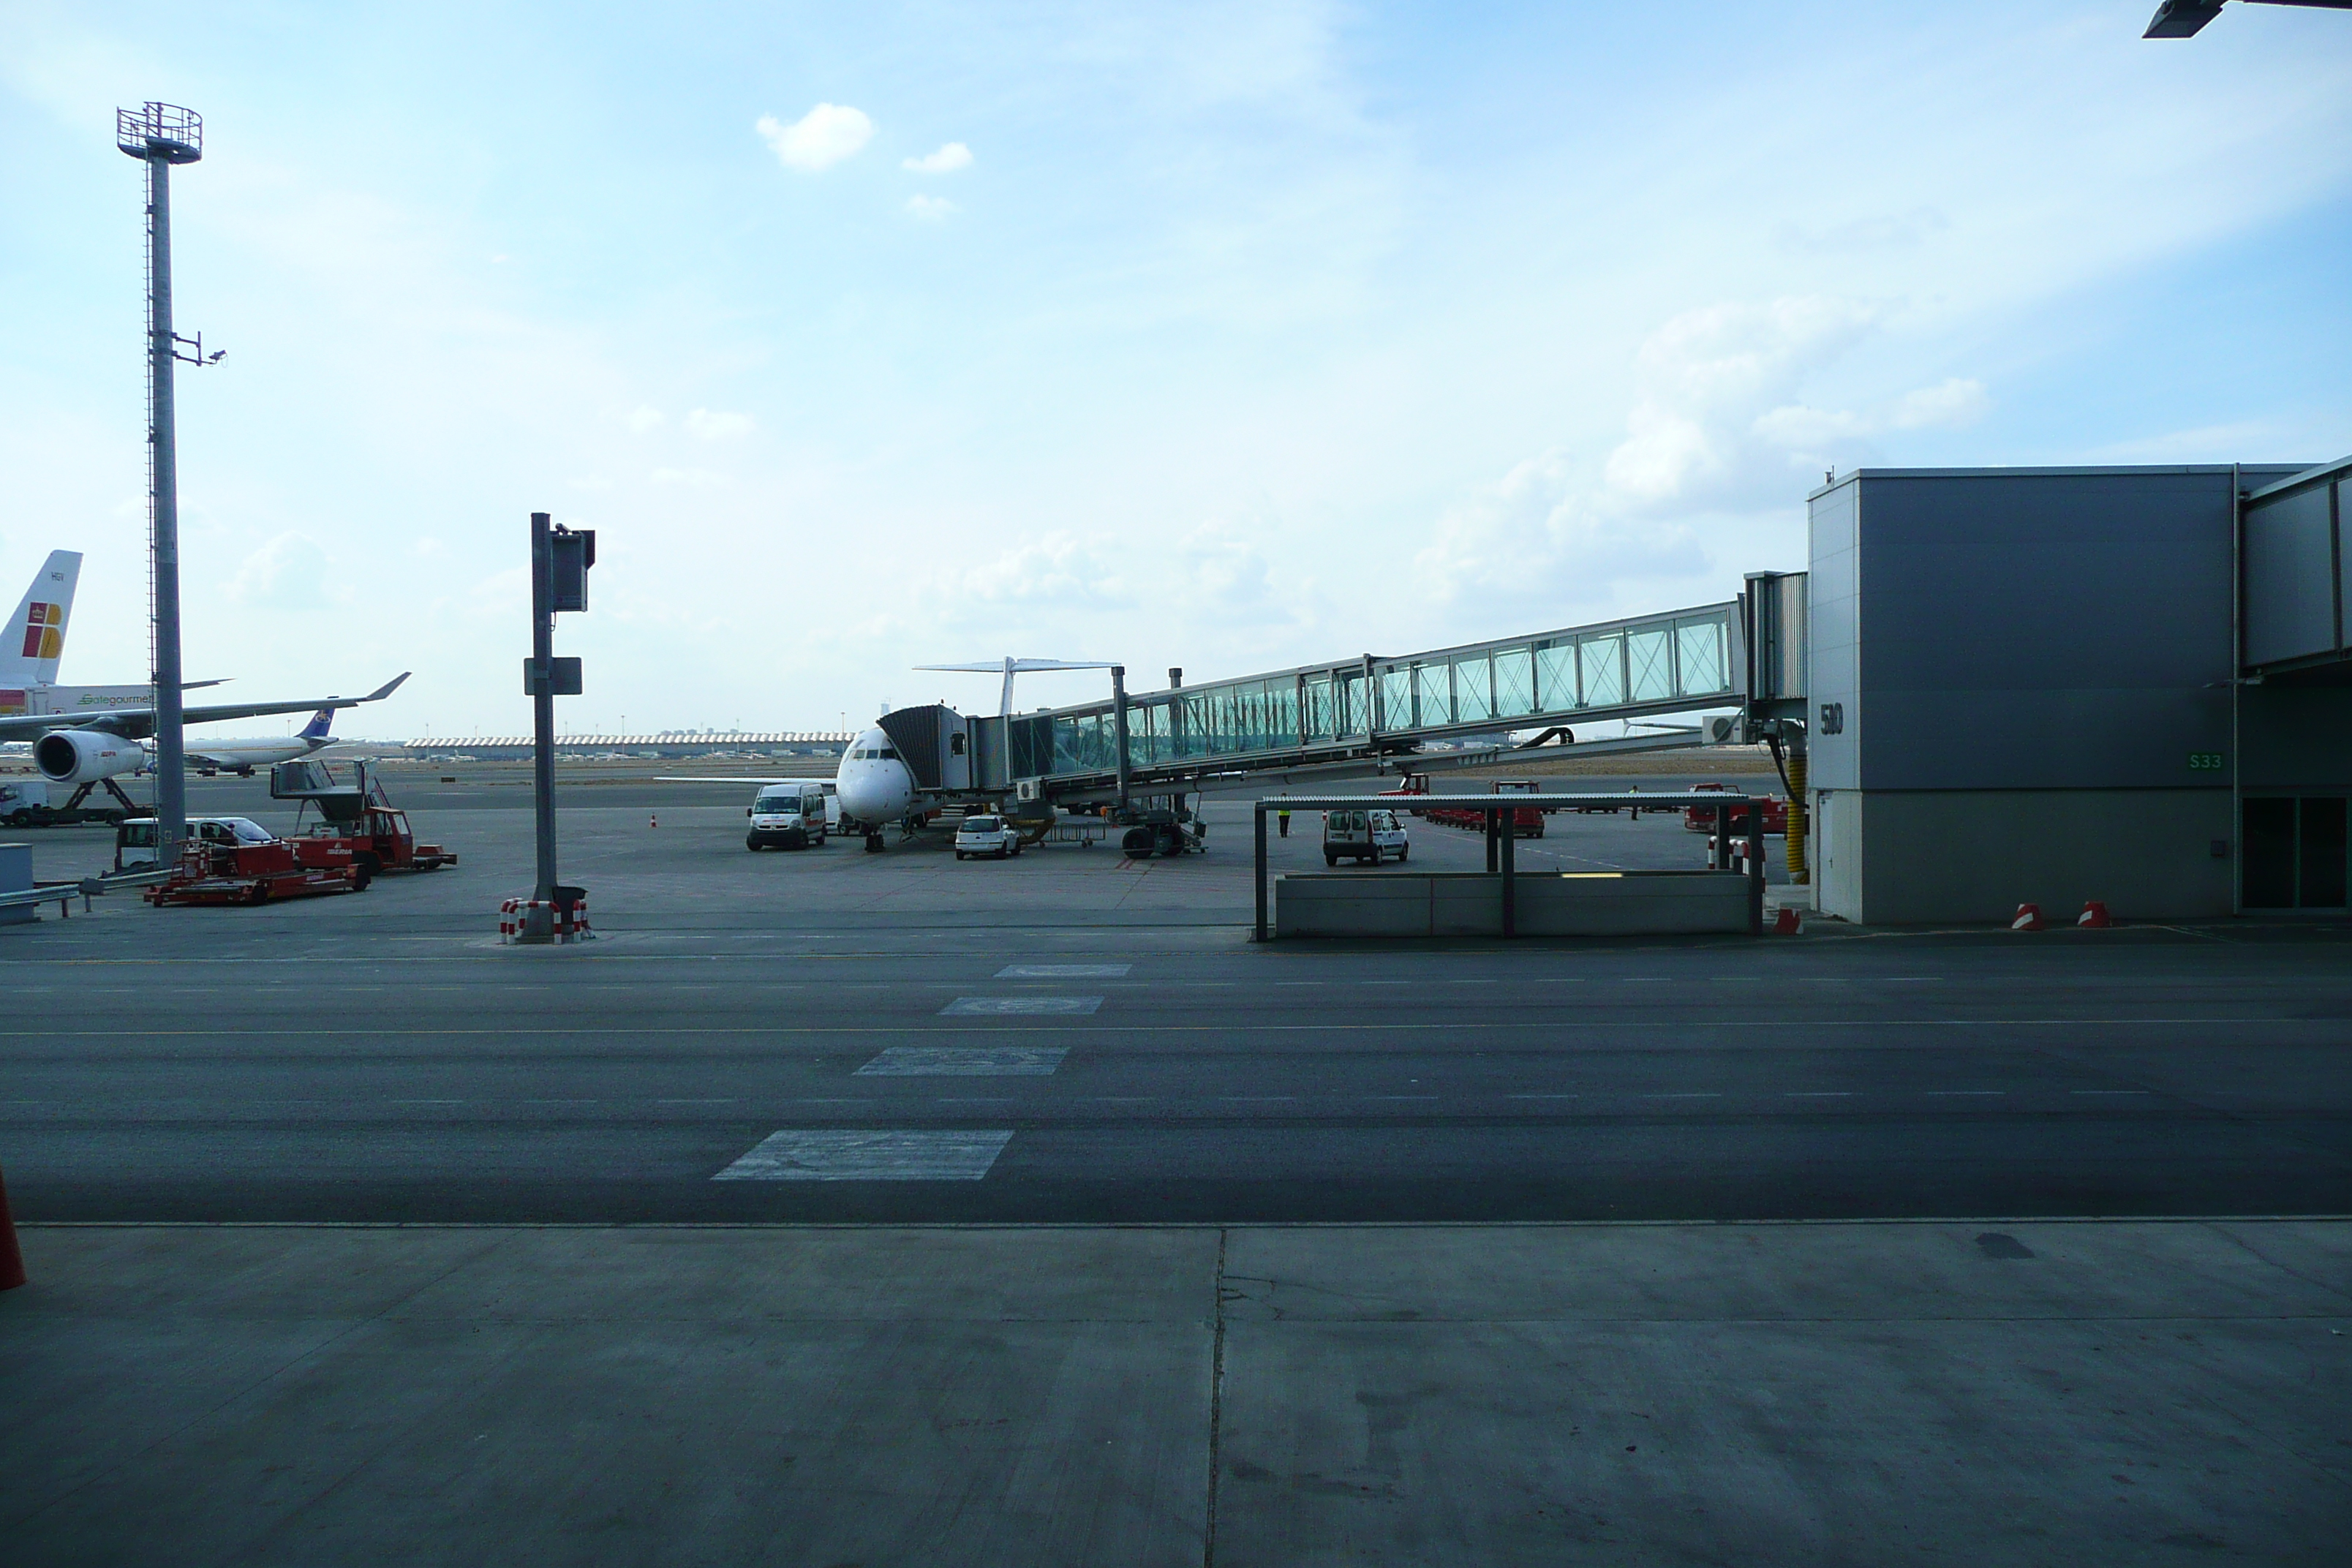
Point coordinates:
pixel 34 641
pixel 241 757
pixel 87 736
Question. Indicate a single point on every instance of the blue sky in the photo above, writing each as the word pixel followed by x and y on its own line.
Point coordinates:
pixel 1238 336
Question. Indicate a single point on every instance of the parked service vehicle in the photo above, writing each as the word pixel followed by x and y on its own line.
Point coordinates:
pixel 134 841
pixel 787 817
pixel 1373 835
pixel 994 836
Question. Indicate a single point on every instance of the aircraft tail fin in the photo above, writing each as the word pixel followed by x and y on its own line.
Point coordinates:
pixel 34 636
pixel 320 722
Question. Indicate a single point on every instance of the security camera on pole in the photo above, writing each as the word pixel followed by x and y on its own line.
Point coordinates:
pixel 560 559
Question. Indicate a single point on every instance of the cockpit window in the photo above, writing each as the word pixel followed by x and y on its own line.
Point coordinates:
pixel 889 752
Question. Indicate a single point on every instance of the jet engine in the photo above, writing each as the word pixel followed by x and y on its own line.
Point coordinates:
pixel 85 756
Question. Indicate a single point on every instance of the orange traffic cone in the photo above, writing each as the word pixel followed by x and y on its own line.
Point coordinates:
pixel 1788 922
pixel 2094 917
pixel 2029 917
pixel 12 1261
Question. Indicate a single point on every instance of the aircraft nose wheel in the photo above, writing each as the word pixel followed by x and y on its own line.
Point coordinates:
pixel 874 844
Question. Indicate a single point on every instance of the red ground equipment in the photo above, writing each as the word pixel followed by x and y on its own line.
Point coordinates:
pixel 1526 821
pixel 357 820
pixel 1701 818
pixel 240 873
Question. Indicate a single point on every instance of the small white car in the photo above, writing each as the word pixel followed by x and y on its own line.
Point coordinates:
pixel 987 836
pixel 1375 835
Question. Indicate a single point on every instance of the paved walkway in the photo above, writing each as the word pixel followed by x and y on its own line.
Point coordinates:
pixel 2110 1393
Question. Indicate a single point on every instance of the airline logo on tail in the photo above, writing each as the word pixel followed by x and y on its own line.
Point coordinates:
pixel 45 630
pixel 37 630
pixel 320 722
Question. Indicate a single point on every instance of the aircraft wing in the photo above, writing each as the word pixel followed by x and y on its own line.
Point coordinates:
pixel 138 723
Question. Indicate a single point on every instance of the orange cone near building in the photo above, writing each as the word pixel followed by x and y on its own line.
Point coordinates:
pixel 2029 917
pixel 2094 916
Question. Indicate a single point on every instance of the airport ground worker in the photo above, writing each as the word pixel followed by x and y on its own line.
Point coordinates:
pixel 1281 822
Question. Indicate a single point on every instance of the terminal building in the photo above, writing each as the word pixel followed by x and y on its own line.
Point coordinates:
pixel 2046 686
pixel 2052 686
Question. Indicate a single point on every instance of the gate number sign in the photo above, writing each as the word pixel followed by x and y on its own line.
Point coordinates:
pixel 2208 761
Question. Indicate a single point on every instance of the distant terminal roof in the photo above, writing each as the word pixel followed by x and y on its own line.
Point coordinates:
pixel 671 738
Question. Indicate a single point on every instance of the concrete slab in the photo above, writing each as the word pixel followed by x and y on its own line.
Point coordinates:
pixel 1811 1394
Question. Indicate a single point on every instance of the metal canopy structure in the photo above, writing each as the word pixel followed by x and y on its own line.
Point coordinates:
pixel 1502 851
pixel 2292 569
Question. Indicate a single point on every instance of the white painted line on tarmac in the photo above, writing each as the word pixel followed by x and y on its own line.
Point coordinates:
pixel 2111 1091
pixel 694 1102
pixel 1965 1093
pixel 791 1155
pixel 1818 1094
pixel 1546 1096
pixel 965 1061
pixel 1703 1094
pixel 1063 971
pixel 997 1006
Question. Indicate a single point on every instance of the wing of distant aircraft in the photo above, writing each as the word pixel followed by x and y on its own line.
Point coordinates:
pixel 2186 18
pixel 138 723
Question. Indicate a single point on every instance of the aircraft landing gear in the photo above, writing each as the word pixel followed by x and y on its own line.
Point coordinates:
pixel 874 844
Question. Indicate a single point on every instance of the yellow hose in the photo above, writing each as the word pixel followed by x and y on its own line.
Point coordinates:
pixel 1797 870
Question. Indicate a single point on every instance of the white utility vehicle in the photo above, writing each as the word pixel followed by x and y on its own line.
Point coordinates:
pixel 788 816
pixel 134 841
pixel 1375 835
pixel 987 836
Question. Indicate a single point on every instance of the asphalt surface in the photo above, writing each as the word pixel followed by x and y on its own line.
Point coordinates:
pixel 838 1036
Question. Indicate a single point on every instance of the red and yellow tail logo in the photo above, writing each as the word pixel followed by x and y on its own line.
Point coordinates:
pixel 45 631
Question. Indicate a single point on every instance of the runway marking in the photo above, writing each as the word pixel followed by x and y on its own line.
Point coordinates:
pixel 992 1006
pixel 1064 970
pixel 797 1156
pixel 965 1061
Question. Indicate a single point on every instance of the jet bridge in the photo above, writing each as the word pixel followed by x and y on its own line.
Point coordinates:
pixel 1370 706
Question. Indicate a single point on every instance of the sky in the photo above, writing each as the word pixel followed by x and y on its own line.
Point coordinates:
pixel 1231 337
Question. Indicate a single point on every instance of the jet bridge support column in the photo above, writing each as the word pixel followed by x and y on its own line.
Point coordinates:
pixel 1119 726
pixel 1510 879
pixel 1258 812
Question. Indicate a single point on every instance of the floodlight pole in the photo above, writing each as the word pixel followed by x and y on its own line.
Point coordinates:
pixel 160 135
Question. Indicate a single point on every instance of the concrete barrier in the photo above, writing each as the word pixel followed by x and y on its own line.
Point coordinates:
pixel 1470 903
pixel 17 877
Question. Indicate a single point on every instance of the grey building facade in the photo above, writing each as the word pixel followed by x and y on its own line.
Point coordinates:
pixel 2034 686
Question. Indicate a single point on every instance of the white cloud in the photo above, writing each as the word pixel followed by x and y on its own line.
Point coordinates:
pixel 713 426
pixel 290 573
pixel 643 419
pixel 1717 424
pixel 1953 403
pixel 819 139
pixel 950 157
pixel 929 209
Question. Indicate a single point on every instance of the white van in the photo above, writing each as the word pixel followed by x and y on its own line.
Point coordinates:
pixel 1376 835
pixel 794 816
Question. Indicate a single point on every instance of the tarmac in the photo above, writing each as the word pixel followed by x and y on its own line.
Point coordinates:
pixel 835 1208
